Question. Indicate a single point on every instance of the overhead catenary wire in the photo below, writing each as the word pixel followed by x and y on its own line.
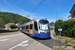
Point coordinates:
pixel 36 7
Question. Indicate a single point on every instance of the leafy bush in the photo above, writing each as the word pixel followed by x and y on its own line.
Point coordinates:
pixel 68 28
pixel 73 32
pixel 73 42
pixel 58 25
pixel 66 41
pixel 12 26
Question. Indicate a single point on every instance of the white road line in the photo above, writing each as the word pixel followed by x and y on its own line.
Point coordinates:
pixel 12 41
pixel 3 39
pixel 22 44
pixel 25 41
pixel 25 45
pixel 9 36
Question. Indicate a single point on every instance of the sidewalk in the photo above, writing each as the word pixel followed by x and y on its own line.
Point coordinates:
pixel 52 33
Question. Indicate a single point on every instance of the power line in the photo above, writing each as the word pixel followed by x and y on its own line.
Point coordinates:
pixel 37 7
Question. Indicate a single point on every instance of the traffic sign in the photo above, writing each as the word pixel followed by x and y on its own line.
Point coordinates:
pixel 60 29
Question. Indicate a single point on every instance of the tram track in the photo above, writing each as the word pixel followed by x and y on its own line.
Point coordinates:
pixel 47 43
pixel 50 43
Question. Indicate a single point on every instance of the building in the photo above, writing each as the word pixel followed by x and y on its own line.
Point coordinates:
pixel 52 24
pixel 69 17
pixel 7 26
pixel 72 16
pixel 18 24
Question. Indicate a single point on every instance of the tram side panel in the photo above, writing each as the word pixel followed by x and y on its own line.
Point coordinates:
pixel 29 27
pixel 35 29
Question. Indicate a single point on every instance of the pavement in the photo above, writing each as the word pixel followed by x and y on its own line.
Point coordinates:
pixel 52 33
pixel 20 41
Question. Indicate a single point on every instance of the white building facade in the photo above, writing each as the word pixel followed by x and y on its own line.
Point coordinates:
pixel 73 12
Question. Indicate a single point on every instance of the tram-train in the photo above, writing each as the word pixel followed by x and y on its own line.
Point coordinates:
pixel 37 28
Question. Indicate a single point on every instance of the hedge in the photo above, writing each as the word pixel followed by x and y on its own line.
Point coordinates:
pixel 68 28
pixel 12 26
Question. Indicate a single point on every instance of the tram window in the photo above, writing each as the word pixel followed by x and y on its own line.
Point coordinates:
pixel 31 26
pixel 27 27
pixel 23 27
pixel 35 26
pixel 43 21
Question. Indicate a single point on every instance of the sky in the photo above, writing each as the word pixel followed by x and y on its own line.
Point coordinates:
pixel 48 9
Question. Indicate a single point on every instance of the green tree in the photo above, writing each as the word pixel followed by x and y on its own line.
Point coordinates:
pixel 13 18
pixel 1 21
pixel 12 26
pixel 58 25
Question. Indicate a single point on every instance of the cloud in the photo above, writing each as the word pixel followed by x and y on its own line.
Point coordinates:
pixel 23 13
pixel 4 10
pixel 9 4
pixel 13 9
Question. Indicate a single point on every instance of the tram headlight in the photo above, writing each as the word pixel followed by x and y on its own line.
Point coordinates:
pixel 42 32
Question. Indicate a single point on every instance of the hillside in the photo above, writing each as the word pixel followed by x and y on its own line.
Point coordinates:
pixel 11 17
pixel 1 21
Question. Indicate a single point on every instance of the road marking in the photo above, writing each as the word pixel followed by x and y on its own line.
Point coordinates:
pixel 36 46
pixel 12 41
pixel 3 39
pixel 25 41
pixel 22 44
pixel 9 36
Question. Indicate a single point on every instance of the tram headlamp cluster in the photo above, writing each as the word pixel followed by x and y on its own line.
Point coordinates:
pixel 42 32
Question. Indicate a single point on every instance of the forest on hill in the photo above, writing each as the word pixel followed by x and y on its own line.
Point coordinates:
pixel 12 17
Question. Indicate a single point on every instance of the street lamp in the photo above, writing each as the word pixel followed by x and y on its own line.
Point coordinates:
pixel 54 28
pixel 56 15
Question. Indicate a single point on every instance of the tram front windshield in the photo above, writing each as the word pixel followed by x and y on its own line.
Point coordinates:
pixel 43 25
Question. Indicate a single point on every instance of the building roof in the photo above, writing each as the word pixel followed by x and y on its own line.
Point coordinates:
pixel 9 24
pixel 69 16
pixel 52 23
pixel 18 24
pixel 72 8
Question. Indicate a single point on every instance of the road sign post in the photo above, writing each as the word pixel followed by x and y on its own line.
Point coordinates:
pixel 60 29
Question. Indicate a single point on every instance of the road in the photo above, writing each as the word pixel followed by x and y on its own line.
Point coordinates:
pixel 21 41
